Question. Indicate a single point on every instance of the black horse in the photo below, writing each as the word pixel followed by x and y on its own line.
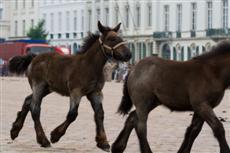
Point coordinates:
pixel 196 85
pixel 74 76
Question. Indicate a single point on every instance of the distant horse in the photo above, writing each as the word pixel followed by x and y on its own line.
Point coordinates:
pixel 196 85
pixel 74 76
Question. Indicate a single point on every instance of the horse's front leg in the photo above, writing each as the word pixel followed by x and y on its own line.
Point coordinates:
pixel 96 102
pixel 59 131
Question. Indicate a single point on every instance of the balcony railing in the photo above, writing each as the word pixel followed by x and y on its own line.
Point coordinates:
pixel 217 32
pixel 162 35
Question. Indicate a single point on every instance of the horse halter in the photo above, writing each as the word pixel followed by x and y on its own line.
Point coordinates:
pixel 103 46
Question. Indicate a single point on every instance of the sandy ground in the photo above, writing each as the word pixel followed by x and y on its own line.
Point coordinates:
pixel 165 128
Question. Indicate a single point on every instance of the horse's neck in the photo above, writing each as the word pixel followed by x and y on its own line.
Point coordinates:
pixel 223 70
pixel 95 57
pixel 226 74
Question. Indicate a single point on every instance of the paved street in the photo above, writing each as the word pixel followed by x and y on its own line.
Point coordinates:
pixel 165 128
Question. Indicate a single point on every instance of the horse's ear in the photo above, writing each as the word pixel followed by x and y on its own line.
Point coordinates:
pixel 101 28
pixel 116 29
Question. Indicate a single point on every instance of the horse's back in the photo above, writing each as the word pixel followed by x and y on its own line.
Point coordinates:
pixel 167 80
pixel 51 69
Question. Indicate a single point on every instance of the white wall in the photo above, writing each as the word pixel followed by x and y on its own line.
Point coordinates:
pixel 5 19
pixel 19 14
pixel 54 7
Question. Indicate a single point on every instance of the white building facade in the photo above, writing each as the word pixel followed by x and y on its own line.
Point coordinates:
pixel 23 16
pixel 4 19
pixel 172 29
pixel 64 21
pixel 189 28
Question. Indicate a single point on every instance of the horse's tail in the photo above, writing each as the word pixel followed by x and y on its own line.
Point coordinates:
pixel 19 64
pixel 126 102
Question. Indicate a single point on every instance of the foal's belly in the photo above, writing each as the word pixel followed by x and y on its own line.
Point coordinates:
pixel 175 102
pixel 59 87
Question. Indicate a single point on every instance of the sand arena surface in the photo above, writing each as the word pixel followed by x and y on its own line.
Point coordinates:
pixel 165 128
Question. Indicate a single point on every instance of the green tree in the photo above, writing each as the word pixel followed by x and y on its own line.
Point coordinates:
pixel 38 32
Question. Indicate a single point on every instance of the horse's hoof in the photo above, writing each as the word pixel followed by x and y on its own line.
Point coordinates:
pixel 55 136
pixel 46 145
pixel 115 149
pixel 44 142
pixel 14 133
pixel 104 146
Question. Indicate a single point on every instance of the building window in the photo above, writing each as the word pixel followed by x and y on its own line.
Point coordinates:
pixel 194 16
pixel 89 20
pixel 179 17
pixel 107 16
pixel 23 27
pixel 149 15
pixel 32 23
pixel 189 54
pixel 197 51
pixel 24 4
pixel 59 36
pixel 144 50
pixel 16 4
pixel 209 9
pixel 127 16
pixel 67 21
pixel 51 22
pixel 182 54
pixel 59 21
pixel 116 14
pixel 82 22
pixel 166 18
pixel 74 35
pixel 67 35
pixel 16 28
pixel 138 17
pixel 51 36
pixel 44 18
pixel 139 51
pixel 150 48
pixel 166 52
pixel 1 11
pixel 225 14
pixel 32 3
pixel 75 20
pixel 98 14
pixel 174 54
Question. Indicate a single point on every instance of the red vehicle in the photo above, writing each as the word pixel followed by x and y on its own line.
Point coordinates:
pixel 10 49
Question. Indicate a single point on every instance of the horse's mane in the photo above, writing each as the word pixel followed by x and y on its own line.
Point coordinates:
pixel 222 48
pixel 88 42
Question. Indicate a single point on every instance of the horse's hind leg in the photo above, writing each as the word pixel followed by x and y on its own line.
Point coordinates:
pixel 96 103
pixel 21 116
pixel 141 130
pixel 192 132
pixel 39 91
pixel 59 131
pixel 207 113
pixel 120 143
